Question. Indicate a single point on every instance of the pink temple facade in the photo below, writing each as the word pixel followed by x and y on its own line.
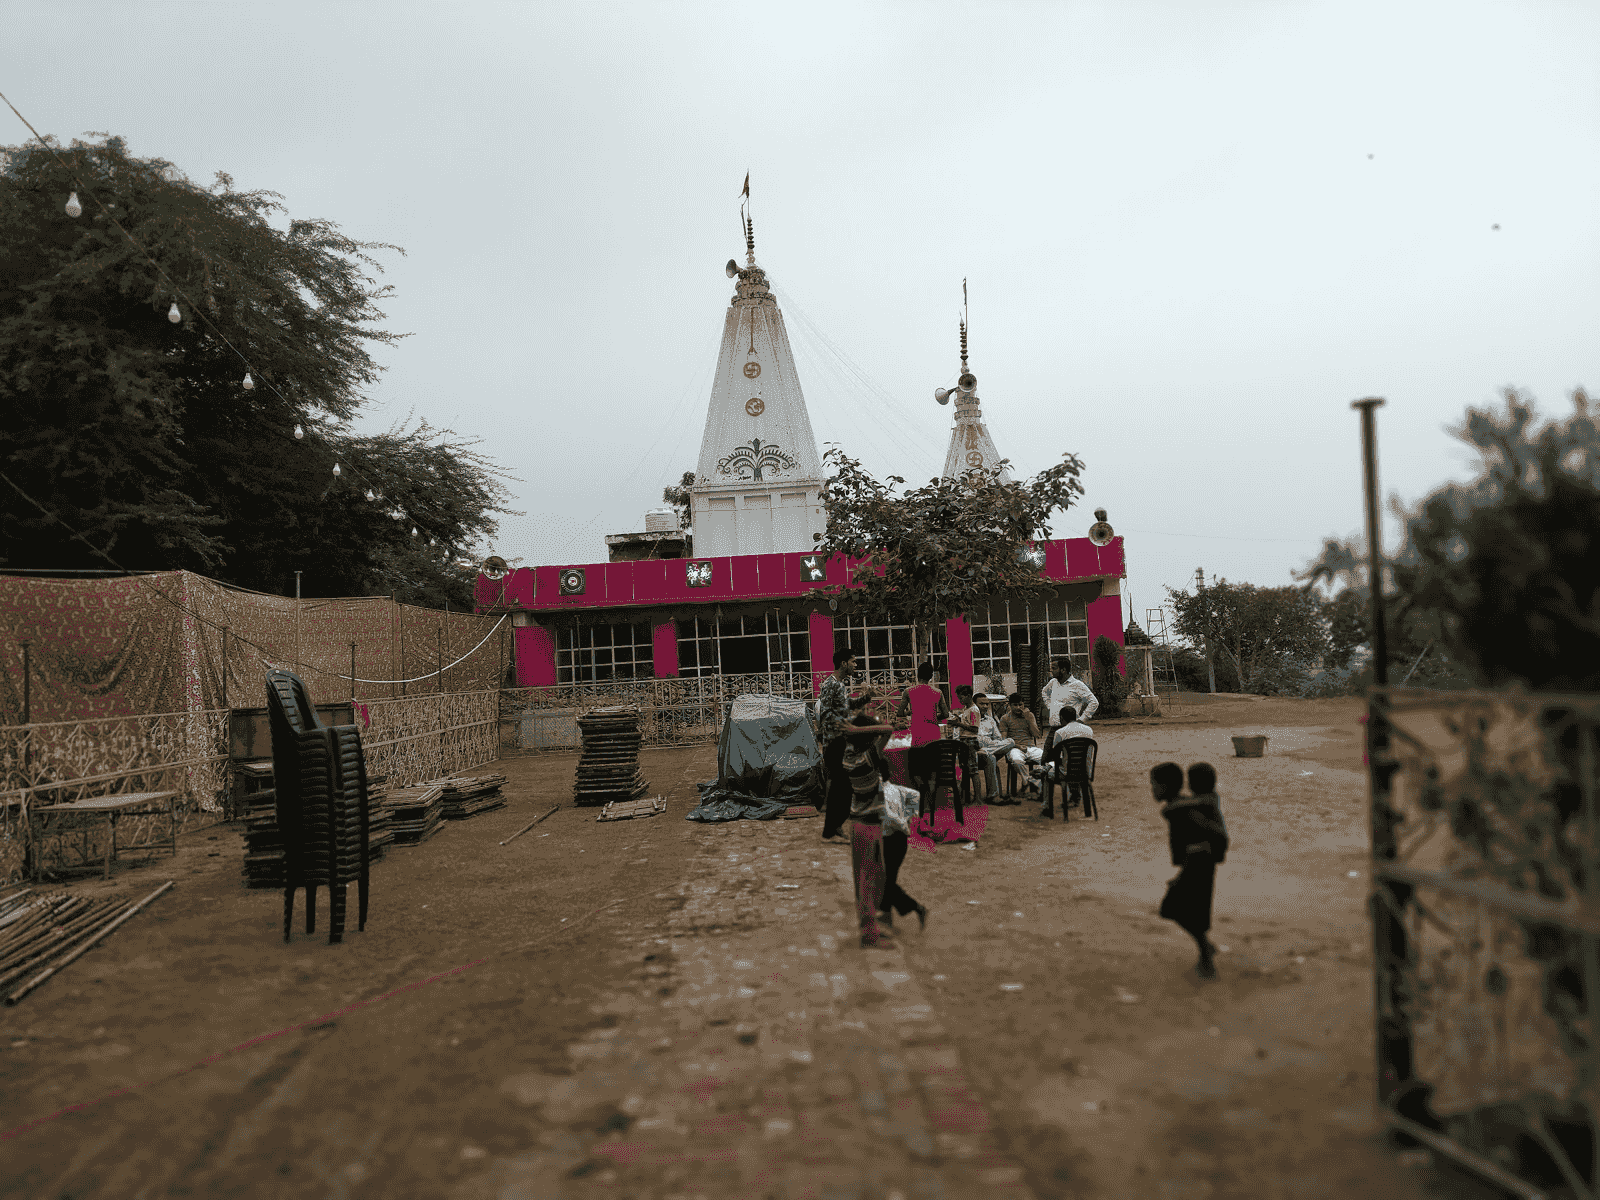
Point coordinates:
pixel 659 594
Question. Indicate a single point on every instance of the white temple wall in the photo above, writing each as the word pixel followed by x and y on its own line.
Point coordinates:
pixel 775 521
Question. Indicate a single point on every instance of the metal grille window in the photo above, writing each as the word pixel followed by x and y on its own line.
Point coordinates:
pixel 1011 622
pixel 601 653
pixel 744 644
pixel 892 652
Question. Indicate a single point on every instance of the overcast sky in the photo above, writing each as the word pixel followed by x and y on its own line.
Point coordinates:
pixel 1193 232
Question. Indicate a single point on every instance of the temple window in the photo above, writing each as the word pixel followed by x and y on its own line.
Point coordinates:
pixel 601 653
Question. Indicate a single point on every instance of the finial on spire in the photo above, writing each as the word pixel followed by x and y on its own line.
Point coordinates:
pixel 749 226
pixel 963 326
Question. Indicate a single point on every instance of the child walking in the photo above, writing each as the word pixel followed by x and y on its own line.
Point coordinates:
pixel 861 766
pixel 1198 840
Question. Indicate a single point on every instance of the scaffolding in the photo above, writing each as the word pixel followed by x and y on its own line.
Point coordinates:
pixel 1163 667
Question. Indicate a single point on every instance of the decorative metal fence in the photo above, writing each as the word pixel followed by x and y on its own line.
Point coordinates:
pixel 428 737
pixel 61 761
pixel 1486 918
pixel 673 712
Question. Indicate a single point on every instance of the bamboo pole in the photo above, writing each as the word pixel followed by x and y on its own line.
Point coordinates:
pixel 93 940
pixel 82 924
pixel 527 827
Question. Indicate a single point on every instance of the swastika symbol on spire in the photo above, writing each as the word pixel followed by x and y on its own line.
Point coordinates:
pixel 752 370
pixel 974 458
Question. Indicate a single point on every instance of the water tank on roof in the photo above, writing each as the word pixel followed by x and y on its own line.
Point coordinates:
pixel 660 520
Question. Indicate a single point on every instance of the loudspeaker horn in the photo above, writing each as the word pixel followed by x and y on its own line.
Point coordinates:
pixel 968 381
pixel 1100 533
pixel 732 269
pixel 941 395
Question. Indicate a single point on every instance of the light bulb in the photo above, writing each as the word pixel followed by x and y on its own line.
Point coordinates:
pixel 298 433
pixel 413 531
pixel 74 209
pixel 370 496
pixel 249 384
pixel 173 314
pixel 336 468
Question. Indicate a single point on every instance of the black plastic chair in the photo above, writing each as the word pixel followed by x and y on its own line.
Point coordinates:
pixel 1077 757
pixel 942 758
pixel 320 780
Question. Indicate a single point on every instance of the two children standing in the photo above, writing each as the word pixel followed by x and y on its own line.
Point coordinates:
pixel 1198 840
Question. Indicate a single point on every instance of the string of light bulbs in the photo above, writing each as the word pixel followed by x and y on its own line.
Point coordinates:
pixel 74 209
pixel 225 630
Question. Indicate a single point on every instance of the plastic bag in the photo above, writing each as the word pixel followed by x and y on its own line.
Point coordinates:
pixel 897 801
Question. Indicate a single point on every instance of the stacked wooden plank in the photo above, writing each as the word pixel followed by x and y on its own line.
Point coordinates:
pixel 627 810
pixel 609 768
pixel 416 813
pixel 263 843
pixel 380 830
pixel 468 795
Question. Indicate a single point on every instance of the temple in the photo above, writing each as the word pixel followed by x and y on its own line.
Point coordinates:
pixel 744 600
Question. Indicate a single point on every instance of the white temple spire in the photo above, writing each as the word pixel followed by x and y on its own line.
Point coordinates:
pixel 758 483
pixel 971 447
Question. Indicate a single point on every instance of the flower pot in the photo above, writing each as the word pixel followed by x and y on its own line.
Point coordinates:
pixel 1253 746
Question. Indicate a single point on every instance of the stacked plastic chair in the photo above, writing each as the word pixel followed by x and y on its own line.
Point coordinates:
pixel 320 775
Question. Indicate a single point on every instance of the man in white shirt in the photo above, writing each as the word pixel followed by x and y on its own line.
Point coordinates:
pixel 1071 728
pixel 1066 689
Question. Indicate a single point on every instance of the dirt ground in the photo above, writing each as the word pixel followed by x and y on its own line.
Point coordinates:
pixel 664 1009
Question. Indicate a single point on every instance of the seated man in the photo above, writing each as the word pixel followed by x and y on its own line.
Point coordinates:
pixel 988 775
pixel 1072 727
pixel 1018 725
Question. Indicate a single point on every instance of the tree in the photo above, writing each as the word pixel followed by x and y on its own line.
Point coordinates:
pixel 678 497
pixel 942 549
pixel 1265 633
pixel 1499 579
pixel 140 435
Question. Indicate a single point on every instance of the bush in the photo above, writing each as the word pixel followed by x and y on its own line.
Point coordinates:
pixel 1109 687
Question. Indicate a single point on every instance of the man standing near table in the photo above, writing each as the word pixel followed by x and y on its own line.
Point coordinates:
pixel 1066 689
pixel 833 719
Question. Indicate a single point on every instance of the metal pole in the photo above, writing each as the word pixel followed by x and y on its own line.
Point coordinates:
pixel 27 683
pixel 352 670
pixel 1205 617
pixel 297 663
pixel 1369 459
pixel 225 666
pixel 438 682
pixel 1391 949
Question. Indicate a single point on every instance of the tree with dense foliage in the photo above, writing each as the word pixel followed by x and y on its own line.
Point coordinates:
pixel 678 497
pixel 1268 635
pixel 142 435
pixel 943 549
pixel 1497 581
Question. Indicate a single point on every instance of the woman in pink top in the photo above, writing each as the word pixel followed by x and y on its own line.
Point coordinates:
pixel 925 705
